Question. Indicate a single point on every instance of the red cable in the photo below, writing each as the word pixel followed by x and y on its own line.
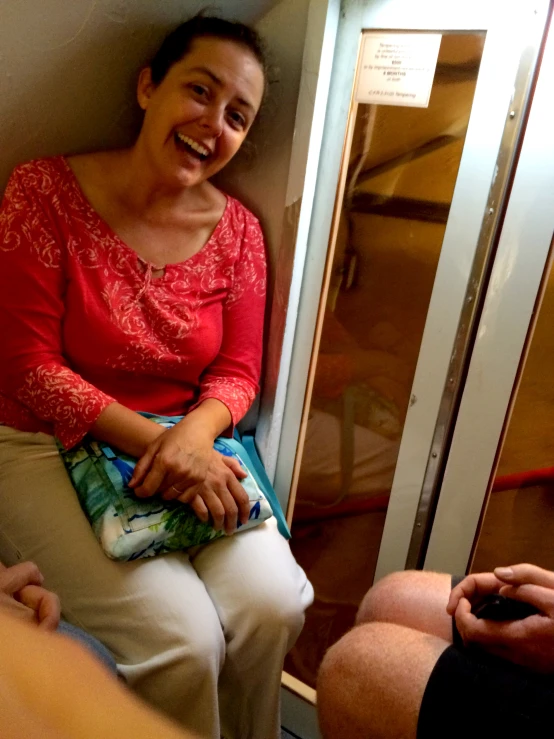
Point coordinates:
pixel 544 476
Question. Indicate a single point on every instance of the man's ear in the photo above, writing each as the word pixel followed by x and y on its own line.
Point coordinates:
pixel 145 87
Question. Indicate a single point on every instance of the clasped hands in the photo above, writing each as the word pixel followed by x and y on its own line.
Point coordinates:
pixel 182 465
pixel 528 642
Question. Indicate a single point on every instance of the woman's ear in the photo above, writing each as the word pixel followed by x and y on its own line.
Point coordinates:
pixel 145 87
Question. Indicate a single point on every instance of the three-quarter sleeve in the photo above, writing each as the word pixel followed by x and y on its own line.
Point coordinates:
pixel 33 371
pixel 233 376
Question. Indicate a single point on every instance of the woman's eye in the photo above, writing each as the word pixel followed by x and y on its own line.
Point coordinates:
pixel 236 118
pixel 199 90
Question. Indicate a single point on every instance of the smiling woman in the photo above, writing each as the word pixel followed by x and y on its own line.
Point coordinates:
pixel 197 117
pixel 129 283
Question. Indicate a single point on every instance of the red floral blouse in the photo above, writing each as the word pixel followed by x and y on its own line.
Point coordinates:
pixel 83 322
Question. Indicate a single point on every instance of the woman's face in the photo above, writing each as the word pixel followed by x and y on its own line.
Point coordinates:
pixel 198 116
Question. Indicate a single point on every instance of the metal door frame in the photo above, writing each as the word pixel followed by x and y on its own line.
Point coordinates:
pixel 507 316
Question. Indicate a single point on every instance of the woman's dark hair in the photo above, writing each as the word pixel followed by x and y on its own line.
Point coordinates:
pixel 178 43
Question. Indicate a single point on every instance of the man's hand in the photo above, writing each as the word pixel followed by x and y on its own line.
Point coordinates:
pixel 528 642
pixel 21 593
pixel 473 588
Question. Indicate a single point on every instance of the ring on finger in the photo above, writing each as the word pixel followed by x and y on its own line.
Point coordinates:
pixel 176 490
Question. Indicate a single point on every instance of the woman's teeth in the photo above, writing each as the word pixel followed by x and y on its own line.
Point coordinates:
pixel 200 150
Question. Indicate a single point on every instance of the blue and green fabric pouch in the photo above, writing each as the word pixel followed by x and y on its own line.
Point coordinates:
pixel 128 527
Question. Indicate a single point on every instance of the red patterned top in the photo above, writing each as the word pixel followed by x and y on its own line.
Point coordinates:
pixel 83 322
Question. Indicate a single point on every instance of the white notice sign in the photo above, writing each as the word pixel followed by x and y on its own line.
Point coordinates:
pixel 397 68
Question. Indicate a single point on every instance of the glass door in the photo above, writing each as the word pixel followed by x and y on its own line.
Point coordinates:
pixel 407 202
pixel 400 176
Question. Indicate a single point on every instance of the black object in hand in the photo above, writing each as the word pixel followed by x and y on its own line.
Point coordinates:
pixel 496 607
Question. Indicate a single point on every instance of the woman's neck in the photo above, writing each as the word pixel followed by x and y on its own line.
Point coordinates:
pixel 142 186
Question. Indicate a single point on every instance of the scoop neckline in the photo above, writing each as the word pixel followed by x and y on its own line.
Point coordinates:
pixel 106 226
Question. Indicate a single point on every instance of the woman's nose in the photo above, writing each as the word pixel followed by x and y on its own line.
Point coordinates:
pixel 212 120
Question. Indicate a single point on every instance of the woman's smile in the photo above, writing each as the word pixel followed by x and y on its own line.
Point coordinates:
pixel 192 147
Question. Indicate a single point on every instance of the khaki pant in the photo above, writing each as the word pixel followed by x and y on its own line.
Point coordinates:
pixel 200 636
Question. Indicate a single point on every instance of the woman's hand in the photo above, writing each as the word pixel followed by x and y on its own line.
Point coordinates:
pixel 528 642
pixel 182 464
pixel 220 495
pixel 174 457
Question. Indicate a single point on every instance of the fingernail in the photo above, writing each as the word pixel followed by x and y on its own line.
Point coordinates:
pixel 504 573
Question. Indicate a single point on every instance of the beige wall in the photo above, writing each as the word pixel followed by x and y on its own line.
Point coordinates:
pixel 260 174
pixel 68 70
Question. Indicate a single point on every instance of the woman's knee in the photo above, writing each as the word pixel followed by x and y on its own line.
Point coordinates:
pixel 190 656
pixel 276 615
pixel 205 648
pixel 171 635
pixel 281 612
